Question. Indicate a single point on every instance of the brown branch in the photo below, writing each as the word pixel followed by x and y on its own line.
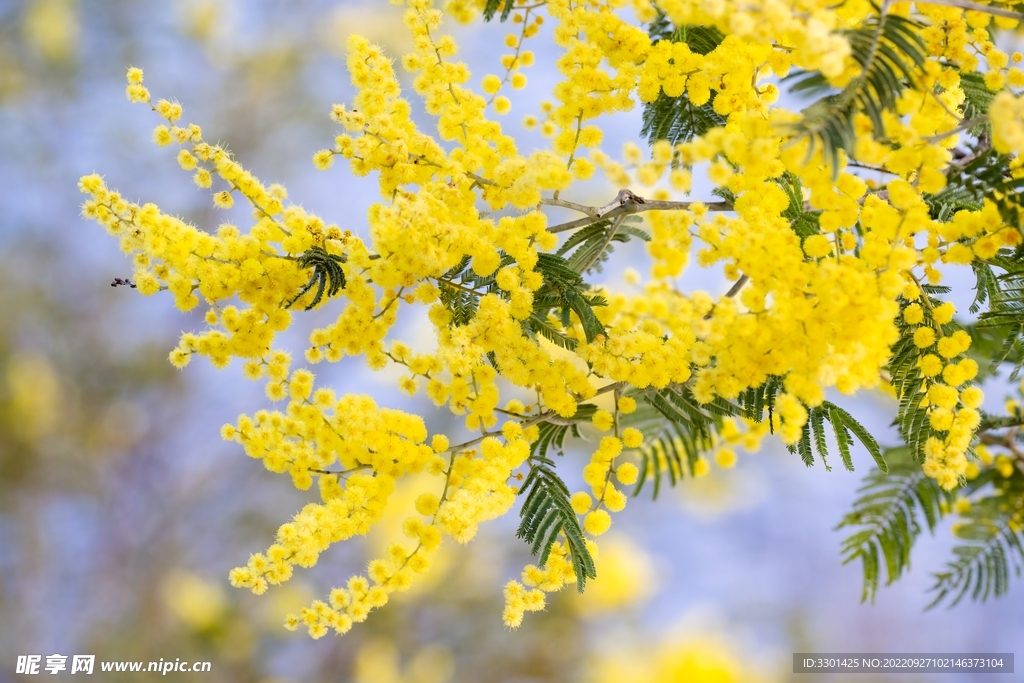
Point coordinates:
pixel 625 202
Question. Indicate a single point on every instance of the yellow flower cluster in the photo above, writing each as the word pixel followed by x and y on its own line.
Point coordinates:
pixel 1007 114
pixel 807 28
pixel 952 407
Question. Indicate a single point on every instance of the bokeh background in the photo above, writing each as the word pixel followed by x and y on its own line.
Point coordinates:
pixel 121 511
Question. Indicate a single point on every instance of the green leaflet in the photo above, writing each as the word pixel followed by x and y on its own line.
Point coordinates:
pixel 844 428
pixel 676 431
pixel 491 8
pixel 890 51
pixel 327 275
pixel 554 433
pixel 546 513
pixel 906 376
pixel 886 518
pixel 592 245
pixel 1004 319
pixel 804 223
pixel 977 98
pixel 564 291
pixel 982 564
pixel 461 289
pixel 985 174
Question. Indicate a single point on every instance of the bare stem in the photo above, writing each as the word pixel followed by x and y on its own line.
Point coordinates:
pixel 969 123
pixel 976 7
pixel 625 203
pixel 733 291
pixel 554 201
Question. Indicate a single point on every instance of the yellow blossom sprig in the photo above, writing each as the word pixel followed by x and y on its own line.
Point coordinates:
pixel 813 308
pixel 512 63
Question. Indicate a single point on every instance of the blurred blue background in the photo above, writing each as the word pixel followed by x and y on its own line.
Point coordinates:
pixel 121 511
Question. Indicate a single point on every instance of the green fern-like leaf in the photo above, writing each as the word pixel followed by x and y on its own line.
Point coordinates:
pixel 546 513
pixel 1005 295
pixel 536 326
pixel 844 428
pixel 565 290
pixel 987 175
pixel 906 376
pixel 977 98
pixel 460 289
pixel 491 8
pixel 982 565
pixel 670 448
pixel 987 286
pixel 591 246
pixel 685 429
pixel 700 39
pixel 328 275
pixel 944 204
pixel 677 119
pixel 553 433
pixel 804 223
pixel 994 345
pixel 756 401
pixel 886 516
pixel 889 50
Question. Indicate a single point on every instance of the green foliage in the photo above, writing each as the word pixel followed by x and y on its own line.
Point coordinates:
pixel 583 252
pixel 1005 314
pixel 804 223
pixel 977 98
pixel 676 428
pixel 755 401
pixel 906 376
pixel 886 515
pixel 992 533
pixel 546 513
pixel 564 290
pixel 327 275
pixel 987 286
pixel 588 248
pixel 986 174
pixel 554 430
pixel 536 325
pixel 461 289
pixel 700 39
pixel 671 445
pixel 889 50
pixel 991 346
pixel 491 8
pixel 677 119
pixel 944 204
pixel 844 427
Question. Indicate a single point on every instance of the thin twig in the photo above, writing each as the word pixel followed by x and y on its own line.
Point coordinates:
pixel 395 298
pixel 358 467
pixel 543 417
pixel 976 7
pixel 632 205
pixel 969 123
pixel 733 291
pixel 554 201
